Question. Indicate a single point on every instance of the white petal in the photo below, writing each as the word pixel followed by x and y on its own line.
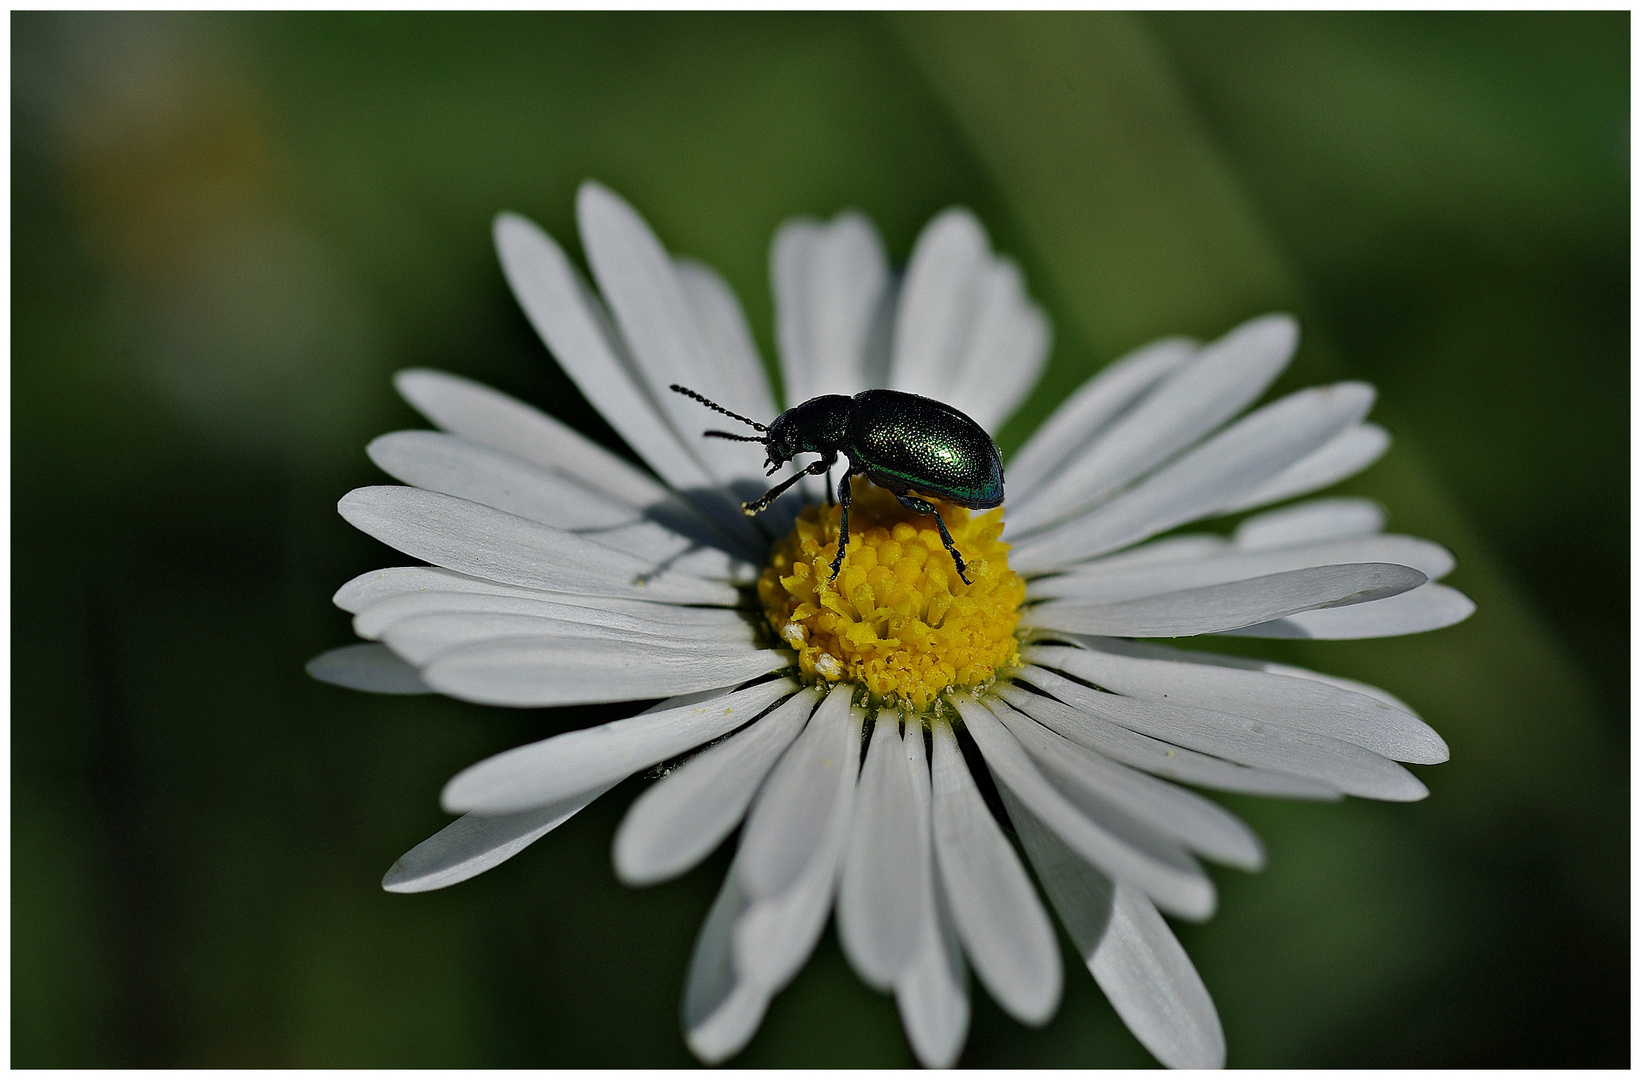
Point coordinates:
pixel 1238 459
pixel 1177 548
pixel 965 331
pixel 1222 379
pixel 1100 582
pixel 375 586
pixel 484 542
pixel 1345 455
pixel 1249 688
pixel 1429 607
pixel 1215 608
pixel 935 316
pixel 1005 932
pixel 933 1000
pixel 776 934
pixel 493 419
pixel 678 701
pixel 832 287
pixel 435 461
pixel 1176 881
pixel 721 1013
pixel 932 992
pixel 538 672
pixel 1155 988
pixel 728 339
pixel 640 283
pixel 367 667
pixel 683 816
pixel 735 368
pixel 660 541
pixel 574 326
pixel 789 821
pixel 474 843
pixel 423 637
pixel 1129 950
pixel 879 898
pixel 1332 680
pixel 1006 350
pixel 1202 826
pixel 553 769
pixel 1157 757
pixel 634 615
pixel 412 590
pixel 662 531
pixel 1086 413
pixel 1310 522
pixel 1259 743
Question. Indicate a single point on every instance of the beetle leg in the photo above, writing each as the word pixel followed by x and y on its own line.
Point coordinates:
pixel 813 469
pixel 920 506
pixel 843 523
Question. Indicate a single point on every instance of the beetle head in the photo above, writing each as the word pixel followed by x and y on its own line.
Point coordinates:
pixel 784 441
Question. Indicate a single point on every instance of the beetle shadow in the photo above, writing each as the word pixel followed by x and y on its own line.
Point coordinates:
pixel 777 520
pixel 688 518
pixel 691 526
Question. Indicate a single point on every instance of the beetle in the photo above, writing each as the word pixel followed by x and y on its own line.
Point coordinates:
pixel 915 447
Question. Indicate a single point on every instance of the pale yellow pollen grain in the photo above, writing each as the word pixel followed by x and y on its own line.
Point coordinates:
pixel 898 619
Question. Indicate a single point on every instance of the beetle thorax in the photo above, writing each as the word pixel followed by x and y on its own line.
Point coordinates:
pixel 898 619
pixel 818 425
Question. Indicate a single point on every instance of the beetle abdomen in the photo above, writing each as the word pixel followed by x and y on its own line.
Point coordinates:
pixel 916 445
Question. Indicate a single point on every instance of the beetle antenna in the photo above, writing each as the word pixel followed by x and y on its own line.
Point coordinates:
pixel 709 403
pixel 737 438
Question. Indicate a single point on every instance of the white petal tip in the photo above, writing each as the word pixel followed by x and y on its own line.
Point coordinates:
pixel 409 377
pixel 1413 791
pixel 593 198
pixel 457 798
pixel 399 880
pixel 709 1050
pixel 636 870
pixel 512 231
pixel 635 880
pixel 958 217
pixel 1279 326
pixel 1246 854
pixel 358 502
pixel 369 667
pixel 1431 749
pixel 936 1059
pixel 1038 1013
pixel 726 1032
pixel 1193 905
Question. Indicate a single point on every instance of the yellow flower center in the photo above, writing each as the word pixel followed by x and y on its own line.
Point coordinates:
pixel 898 619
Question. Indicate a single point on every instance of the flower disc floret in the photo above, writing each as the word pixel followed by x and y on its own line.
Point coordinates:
pixel 898 619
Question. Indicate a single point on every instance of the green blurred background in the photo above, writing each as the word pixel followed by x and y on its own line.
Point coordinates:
pixel 227 233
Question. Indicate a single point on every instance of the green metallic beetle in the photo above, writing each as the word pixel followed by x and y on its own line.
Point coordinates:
pixel 915 447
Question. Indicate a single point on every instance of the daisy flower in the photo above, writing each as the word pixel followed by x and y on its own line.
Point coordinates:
pixel 877 737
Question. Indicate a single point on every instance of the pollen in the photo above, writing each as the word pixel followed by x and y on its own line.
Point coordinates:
pixel 898 619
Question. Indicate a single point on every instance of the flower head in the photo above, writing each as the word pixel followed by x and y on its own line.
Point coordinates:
pixel 851 722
